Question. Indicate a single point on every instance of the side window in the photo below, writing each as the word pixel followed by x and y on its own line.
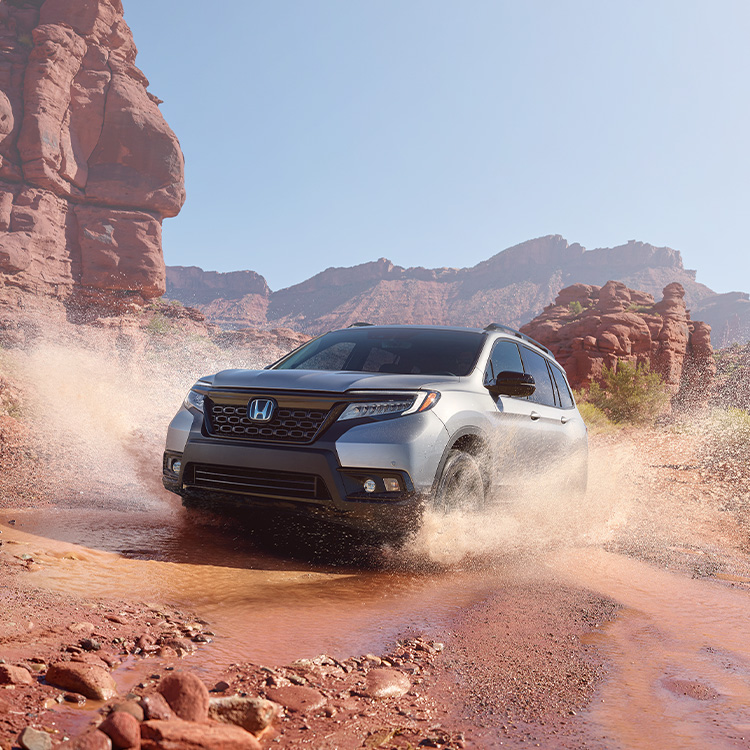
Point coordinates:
pixel 536 365
pixel 566 399
pixel 505 356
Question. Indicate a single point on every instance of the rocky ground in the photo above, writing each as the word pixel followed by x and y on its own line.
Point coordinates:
pixel 520 668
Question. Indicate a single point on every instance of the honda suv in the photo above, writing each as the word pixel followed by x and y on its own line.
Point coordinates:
pixel 367 425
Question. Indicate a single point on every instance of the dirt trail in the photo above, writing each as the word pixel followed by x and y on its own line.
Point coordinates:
pixel 619 621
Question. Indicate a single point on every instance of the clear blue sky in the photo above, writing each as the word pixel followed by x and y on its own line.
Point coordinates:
pixel 433 132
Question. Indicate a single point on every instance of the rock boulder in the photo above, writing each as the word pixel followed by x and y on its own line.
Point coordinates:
pixel 88 166
pixel 588 328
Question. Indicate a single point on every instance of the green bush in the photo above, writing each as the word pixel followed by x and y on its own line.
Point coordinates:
pixel 633 307
pixel 159 325
pixel 596 420
pixel 630 393
pixel 575 307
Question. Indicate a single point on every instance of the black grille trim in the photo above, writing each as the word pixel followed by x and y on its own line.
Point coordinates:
pixel 292 422
pixel 258 482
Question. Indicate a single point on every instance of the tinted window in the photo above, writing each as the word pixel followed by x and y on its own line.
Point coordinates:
pixel 536 365
pixel 566 399
pixel 331 357
pixel 397 350
pixel 505 356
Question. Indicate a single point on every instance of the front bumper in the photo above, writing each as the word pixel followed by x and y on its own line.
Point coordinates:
pixel 324 479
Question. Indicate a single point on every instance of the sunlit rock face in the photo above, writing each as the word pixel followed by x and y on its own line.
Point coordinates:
pixel 589 328
pixel 88 165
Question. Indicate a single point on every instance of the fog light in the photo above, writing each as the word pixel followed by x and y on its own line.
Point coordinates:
pixel 369 486
pixel 391 484
pixel 176 466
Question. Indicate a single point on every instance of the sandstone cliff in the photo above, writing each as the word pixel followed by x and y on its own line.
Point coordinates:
pixel 88 166
pixel 511 287
pixel 590 327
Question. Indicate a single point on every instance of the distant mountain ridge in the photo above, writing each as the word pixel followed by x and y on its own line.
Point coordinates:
pixel 512 286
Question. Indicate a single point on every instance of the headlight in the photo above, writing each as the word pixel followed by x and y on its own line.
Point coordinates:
pixel 194 399
pixel 394 406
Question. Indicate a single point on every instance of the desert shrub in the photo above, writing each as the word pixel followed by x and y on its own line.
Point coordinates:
pixel 633 307
pixel 727 437
pixel 575 307
pixel 159 325
pixel 594 417
pixel 630 393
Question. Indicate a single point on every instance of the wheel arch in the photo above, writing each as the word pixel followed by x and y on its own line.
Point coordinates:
pixel 470 440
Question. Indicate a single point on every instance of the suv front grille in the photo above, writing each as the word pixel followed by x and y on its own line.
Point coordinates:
pixel 288 425
pixel 260 482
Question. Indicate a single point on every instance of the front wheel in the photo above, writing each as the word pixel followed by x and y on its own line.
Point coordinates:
pixel 461 485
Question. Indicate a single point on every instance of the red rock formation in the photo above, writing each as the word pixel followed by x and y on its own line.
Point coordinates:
pixel 230 300
pixel 88 166
pixel 590 327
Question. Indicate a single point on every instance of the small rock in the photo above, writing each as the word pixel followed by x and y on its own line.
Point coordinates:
pixel 387 683
pixel 88 679
pixel 186 694
pixel 82 627
pixel 133 708
pixel 15 675
pixel 146 642
pixel 90 644
pixel 93 740
pixel 76 698
pixel 89 658
pixel 187 734
pixel 123 729
pixel 180 646
pixel 220 687
pixel 297 698
pixel 33 739
pixel 156 707
pixel 252 714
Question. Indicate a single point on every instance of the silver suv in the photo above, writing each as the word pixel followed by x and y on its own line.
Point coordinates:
pixel 364 426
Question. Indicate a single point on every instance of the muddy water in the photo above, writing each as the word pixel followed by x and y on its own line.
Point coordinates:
pixel 679 649
pixel 265 607
pixel 681 652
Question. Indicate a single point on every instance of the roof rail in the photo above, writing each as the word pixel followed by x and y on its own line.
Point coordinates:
pixel 359 325
pixel 517 334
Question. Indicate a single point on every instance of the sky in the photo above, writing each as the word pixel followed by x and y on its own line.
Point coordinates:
pixel 437 133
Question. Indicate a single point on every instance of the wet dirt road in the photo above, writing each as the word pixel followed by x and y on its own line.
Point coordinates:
pixel 532 655
pixel 676 655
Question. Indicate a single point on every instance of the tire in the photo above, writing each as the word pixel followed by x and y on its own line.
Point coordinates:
pixel 462 486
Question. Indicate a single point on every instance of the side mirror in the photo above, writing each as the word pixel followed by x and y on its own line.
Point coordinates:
pixel 509 383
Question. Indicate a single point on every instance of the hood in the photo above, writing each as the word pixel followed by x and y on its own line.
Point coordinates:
pixel 324 381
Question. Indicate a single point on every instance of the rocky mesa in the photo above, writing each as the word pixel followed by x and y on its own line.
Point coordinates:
pixel 511 287
pixel 590 327
pixel 88 166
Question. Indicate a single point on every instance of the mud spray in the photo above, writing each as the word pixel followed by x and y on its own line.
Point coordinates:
pixel 99 403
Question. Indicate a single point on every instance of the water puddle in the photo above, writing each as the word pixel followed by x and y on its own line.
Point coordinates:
pixel 263 607
pixel 681 650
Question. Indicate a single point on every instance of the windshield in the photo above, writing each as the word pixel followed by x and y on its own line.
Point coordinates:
pixel 396 350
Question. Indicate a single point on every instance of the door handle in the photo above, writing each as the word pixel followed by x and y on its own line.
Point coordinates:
pixel 565 420
pixel 535 415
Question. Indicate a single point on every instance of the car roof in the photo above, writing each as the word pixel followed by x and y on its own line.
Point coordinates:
pixel 492 328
